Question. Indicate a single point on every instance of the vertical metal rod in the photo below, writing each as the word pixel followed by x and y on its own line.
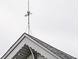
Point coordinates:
pixel 28 25
pixel 28 18
pixel 28 5
pixel 28 15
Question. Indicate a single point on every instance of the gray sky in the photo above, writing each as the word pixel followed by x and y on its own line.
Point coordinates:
pixel 52 21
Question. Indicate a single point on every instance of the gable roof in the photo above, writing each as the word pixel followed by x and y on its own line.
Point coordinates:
pixel 57 52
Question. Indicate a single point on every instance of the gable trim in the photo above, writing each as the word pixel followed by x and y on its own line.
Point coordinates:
pixel 44 48
pixel 33 39
pixel 17 43
pixel 5 55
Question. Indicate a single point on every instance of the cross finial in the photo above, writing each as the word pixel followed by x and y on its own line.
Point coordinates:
pixel 28 15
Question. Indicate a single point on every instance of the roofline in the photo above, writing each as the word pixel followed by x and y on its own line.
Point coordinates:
pixel 4 56
pixel 13 45
pixel 17 43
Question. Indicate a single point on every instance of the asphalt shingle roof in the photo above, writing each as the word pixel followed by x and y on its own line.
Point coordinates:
pixel 59 53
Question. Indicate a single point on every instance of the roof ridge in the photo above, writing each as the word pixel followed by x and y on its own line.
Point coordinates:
pixel 56 51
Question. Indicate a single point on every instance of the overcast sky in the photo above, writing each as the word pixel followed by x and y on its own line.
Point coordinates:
pixel 52 21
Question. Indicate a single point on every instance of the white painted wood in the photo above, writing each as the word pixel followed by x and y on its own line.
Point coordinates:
pixel 34 45
pixel 40 50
